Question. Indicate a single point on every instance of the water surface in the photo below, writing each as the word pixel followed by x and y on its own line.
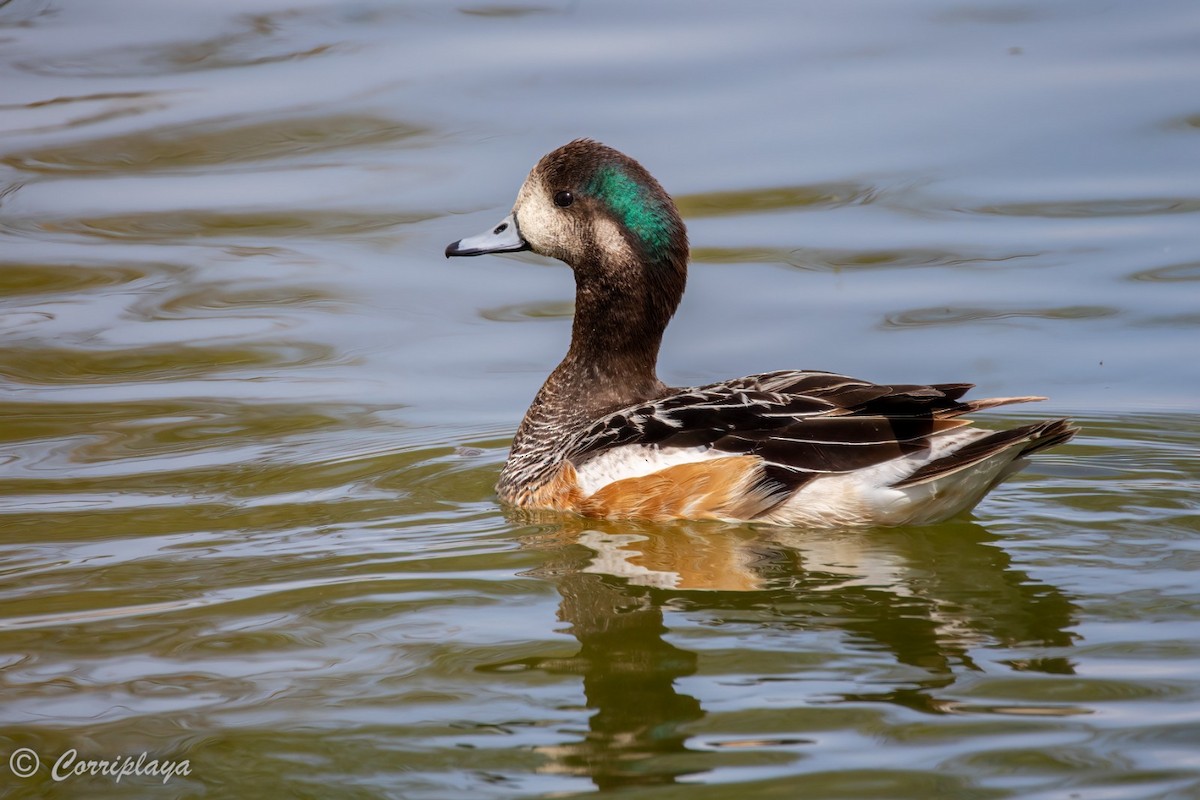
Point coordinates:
pixel 250 418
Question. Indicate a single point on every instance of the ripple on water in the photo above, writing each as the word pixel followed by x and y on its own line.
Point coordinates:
pixel 1190 122
pixel 511 11
pixel 1092 208
pixel 1172 321
pixel 1171 273
pixel 525 312
pixel 257 39
pixel 835 260
pixel 215 143
pixel 28 364
pixel 775 198
pixel 198 299
pixel 172 226
pixel 1088 693
pixel 951 315
pixel 24 278
pixel 128 319
pixel 1025 760
pixel 93 97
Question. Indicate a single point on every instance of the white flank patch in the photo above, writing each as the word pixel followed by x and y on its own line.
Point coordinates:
pixel 536 217
pixel 863 497
pixel 636 461
pixel 866 497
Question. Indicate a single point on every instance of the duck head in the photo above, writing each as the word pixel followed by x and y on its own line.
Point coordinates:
pixel 594 208
pixel 603 214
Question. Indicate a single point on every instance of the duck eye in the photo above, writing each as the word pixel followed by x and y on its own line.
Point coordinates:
pixel 563 199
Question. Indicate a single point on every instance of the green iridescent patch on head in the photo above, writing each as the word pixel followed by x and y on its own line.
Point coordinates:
pixel 635 205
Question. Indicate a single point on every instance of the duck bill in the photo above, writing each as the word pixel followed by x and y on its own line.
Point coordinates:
pixel 503 238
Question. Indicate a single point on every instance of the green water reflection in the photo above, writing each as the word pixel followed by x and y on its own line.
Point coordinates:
pixel 927 599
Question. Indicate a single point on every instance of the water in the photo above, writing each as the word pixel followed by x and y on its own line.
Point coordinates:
pixel 251 418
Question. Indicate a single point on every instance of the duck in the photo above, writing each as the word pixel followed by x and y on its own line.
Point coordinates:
pixel 605 438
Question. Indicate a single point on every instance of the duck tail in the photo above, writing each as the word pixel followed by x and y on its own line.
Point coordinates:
pixel 1026 440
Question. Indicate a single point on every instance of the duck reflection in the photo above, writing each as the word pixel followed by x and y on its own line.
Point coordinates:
pixel 930 597
pixel 629 673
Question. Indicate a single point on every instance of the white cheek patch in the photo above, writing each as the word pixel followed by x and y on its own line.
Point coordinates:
pixel 552 231
pixel 608 237
pixel 542 224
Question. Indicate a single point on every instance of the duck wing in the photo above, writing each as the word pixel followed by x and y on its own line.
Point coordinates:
pixel 801 424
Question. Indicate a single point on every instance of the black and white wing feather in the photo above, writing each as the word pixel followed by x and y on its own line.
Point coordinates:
pixel 802 424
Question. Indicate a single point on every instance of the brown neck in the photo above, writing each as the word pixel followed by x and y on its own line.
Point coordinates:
pixel 621 311
pixel 620 315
